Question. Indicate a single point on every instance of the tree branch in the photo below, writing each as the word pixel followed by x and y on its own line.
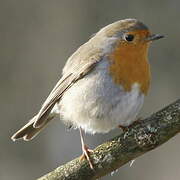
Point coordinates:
pixel 135 141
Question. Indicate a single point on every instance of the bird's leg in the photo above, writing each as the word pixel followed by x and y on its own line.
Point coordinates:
pixel 85 150
pixel 124 128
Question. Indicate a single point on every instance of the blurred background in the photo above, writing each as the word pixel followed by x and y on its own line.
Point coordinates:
pixel 36 38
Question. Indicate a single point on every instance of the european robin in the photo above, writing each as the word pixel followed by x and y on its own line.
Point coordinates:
pixel 103 83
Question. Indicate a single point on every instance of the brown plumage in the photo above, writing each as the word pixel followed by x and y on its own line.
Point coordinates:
pixel 129 63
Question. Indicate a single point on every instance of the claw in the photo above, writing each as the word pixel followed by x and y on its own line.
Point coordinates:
pixel 123 128
pixel 86 151
pixel 86 155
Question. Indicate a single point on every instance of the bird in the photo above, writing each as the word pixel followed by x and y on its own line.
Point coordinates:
pixel 103 83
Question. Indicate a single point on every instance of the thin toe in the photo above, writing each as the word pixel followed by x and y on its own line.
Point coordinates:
pixel 86 155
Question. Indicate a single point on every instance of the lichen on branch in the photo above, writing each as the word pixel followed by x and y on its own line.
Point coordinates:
pixel 133 142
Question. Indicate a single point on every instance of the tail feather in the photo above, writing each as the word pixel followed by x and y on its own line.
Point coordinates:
pixel 28 131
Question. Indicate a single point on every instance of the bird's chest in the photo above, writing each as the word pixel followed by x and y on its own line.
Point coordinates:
pixel 111 103
pixel 97 104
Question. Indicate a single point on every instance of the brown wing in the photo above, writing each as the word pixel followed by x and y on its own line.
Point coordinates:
pixel 77 66
pixel 65 83
pixel 38 122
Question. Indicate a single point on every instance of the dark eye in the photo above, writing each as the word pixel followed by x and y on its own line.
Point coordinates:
pixel 129 37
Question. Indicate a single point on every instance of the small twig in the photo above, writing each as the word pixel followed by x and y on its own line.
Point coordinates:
pixel 135 141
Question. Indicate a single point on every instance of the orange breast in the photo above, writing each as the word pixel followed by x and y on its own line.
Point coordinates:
pixel 129 65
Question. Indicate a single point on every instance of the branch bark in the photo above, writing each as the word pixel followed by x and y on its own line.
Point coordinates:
pixel 133 142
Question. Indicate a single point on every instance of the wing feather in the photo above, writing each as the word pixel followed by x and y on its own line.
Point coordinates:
pixel 64 84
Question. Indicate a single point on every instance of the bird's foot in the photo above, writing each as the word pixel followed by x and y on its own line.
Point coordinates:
pixel 86 155
pixel 124 128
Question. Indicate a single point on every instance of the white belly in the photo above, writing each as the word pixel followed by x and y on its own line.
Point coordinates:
pixel 96 104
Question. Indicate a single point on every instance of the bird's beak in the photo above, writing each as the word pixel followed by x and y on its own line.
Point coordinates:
pixel 153 37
